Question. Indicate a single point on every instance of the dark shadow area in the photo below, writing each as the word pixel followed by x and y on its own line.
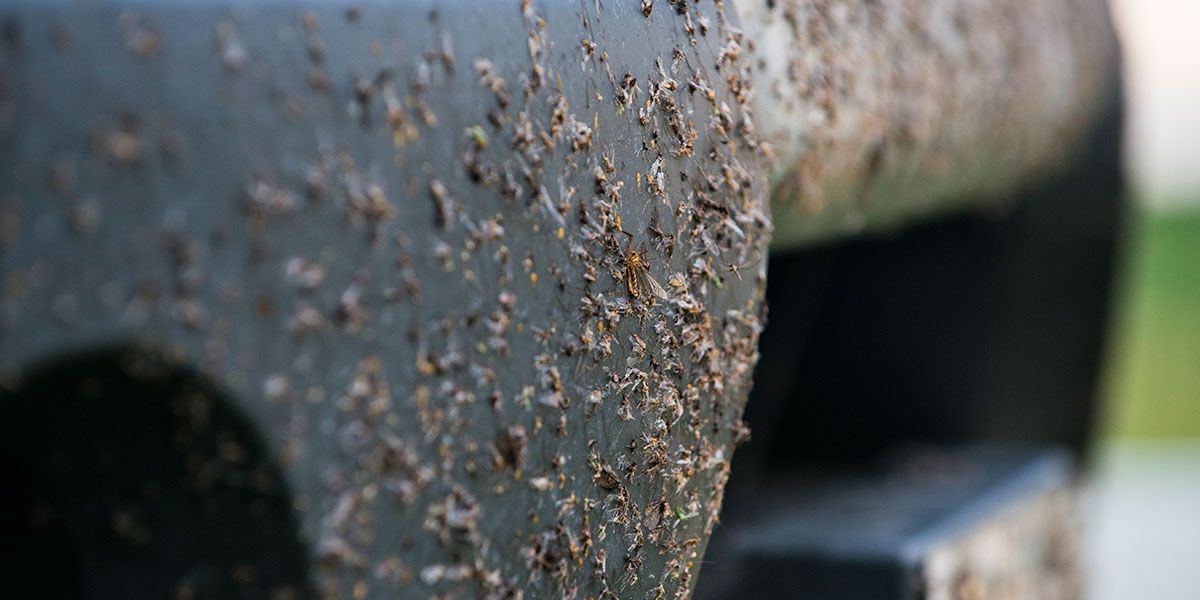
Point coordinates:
pixel 127 477
pixel 983 328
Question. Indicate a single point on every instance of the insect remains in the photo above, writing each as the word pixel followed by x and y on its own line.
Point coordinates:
pixel 736 269
pixel 637 273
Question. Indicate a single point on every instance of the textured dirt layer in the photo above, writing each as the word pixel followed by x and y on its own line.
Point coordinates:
pixel 880 111
pixel 1030 551
pixel 488 282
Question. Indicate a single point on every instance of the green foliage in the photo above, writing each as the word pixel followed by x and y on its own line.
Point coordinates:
pixel 1153 384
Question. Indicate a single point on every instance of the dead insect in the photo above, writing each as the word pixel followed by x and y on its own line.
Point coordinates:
pixel 510 447
pixel 443 204
pixel 606 478
pixel 664 241
pixel 581 136
pixel 637 273
pixel 736 268
pixel 478 136
pixel 647 7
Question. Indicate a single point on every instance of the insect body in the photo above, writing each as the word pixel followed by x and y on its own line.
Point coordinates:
pixel 736 269
pixel 637 275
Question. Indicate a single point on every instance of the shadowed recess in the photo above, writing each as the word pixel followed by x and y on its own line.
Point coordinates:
pixel 128 477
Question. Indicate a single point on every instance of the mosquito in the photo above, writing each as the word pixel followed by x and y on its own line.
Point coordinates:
pixel 736 269
pixel 637 273
pixel 664 241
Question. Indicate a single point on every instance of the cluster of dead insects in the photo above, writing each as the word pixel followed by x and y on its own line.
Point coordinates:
pixel 628 239
pixel 685 335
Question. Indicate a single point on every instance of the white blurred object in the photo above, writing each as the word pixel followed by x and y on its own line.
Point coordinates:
pixel 1162 83
pixel 1144 530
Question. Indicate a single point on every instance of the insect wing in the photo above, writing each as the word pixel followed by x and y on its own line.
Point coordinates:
pixel 653 285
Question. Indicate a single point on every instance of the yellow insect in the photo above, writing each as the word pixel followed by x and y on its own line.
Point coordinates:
pixel 736 269
pixel 637 274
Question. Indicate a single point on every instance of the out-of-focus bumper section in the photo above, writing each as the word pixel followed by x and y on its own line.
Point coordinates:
pixel 883 113
pixel 989 328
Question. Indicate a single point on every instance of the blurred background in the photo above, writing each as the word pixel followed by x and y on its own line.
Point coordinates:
pixel 1145 533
